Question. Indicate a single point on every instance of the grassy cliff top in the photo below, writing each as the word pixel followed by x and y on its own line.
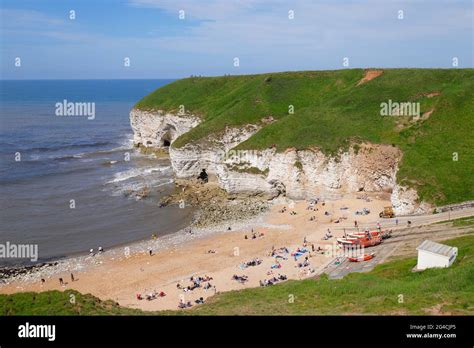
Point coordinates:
pixel 331 110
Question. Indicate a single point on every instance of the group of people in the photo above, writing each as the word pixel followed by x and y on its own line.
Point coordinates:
pixel 299 252
pixel 254 262
pixel 255 235
pixel 313 248
pixel 279 253
pixel 152 295
pixel 284 210
pixel 183 304
pixel 312 204
pixel 241 279
pixel 328 235
pixel 61 280
pixel 364 211
pixel 197 282
pixel 100 250
pixel 272 281
pixel 186 304
pixel 303 264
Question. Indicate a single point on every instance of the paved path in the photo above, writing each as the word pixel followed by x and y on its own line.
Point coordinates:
pixel 401 236
pixel 416 220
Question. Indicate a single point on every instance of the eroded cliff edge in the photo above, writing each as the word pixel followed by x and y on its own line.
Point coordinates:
pixel 296 174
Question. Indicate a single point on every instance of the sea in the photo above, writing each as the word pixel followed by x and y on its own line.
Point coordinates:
pixel 68 182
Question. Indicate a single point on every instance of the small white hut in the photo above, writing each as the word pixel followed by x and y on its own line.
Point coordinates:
pixel 432 254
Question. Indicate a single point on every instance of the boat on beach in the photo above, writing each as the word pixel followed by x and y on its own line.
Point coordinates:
pixel 362 242
pixel 384 234
pixel 361 258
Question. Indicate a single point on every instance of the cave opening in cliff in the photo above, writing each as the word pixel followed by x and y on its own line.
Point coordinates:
pixel 168 136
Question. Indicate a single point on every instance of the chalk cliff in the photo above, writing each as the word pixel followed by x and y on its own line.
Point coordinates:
pixel 158 128
pixel 298 174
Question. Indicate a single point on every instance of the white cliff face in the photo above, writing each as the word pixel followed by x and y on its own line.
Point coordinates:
pixel 209 153
pixel 297 174
pixel 159 129
pixel 405 201
pixel 309 173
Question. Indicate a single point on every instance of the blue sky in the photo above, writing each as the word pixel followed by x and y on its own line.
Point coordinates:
pixel 259 32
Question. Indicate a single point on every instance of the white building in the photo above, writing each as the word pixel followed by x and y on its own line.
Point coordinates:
pixel 432 254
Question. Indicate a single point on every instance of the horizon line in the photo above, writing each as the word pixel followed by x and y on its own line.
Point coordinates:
pixel 260 73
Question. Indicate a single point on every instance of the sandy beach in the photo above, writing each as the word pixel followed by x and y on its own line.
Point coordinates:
pixel 124 273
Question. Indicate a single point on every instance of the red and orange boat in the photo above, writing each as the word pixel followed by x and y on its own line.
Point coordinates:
pixel 362 242
pixel 364 257
pixel 363 234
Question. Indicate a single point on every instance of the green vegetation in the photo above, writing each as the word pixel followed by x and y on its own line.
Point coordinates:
pixel 299 165
pixel 331 112
pixel 450 290
pixel 465 221
pixel 55 302
pixel 250 170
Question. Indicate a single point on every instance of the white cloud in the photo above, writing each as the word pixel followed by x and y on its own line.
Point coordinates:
pixel 257 31
pixel 260 25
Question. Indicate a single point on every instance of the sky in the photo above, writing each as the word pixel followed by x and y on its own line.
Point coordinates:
pixel 178 38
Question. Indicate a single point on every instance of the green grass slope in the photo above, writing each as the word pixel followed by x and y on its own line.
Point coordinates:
pixel 391 288
pixel 69 302
pixel 330 112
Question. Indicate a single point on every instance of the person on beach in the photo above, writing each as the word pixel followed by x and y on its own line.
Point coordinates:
pixel 42 281
pixel 72 277
pixel 396 222
pixel 203 176
pixel 368 235
pixel 61 281
pixel 150 252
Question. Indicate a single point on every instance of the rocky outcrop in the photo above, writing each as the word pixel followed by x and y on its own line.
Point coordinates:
pixel 297 174
pixel 405 201
pixel 158 128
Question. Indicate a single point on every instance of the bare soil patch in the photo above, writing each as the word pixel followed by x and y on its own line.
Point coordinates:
pixel 370 75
